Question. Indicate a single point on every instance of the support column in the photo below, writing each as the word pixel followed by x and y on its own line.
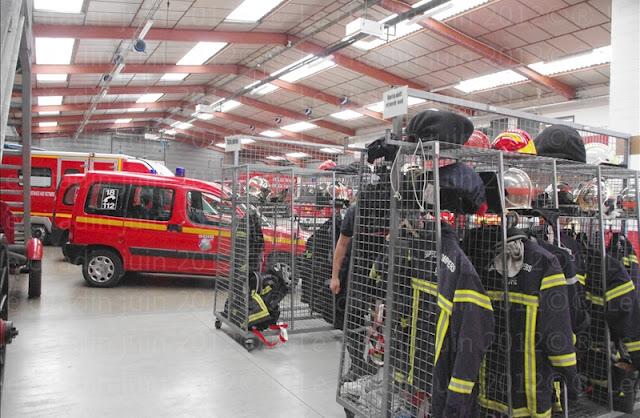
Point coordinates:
pixel 624 97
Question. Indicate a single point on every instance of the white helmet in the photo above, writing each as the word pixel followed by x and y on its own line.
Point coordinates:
pixel 587 195
pixel 518 188
pixel 258 187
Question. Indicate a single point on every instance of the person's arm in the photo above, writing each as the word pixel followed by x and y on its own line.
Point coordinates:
pixel 338 258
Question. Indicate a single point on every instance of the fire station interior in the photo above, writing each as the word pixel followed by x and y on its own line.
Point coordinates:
pixel 327 208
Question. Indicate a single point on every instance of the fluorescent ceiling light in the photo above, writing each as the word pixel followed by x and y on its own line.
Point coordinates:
pixel 174 76
pixel 331 150
pixel 202 116
pixel 49 113
pixel 151 136
pixel 379 106
pixel 489 81
pixel 54 50
pixel 306 70
pixel 123 120
pixel 221 145
pixel 58 6
pixel 181 125
pixel 452 8
pixel 271 134
pixel 347 114
pixel 51 78
pixel 297 154
pixel 227 106
pixel 263 89
pixel 136 109
pixel 276 158
pixel 49 100
pixel 299 126
pixel 246 141
pixel 367 45
pixel 251 11
pixel 597 56
pixel 47 124
pixel 149 97
pixel 201 53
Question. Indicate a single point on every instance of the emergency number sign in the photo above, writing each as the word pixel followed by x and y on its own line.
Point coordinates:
pixel 109 199
pixel 396 102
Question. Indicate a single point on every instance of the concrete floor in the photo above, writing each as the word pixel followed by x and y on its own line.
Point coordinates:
pixel 148 348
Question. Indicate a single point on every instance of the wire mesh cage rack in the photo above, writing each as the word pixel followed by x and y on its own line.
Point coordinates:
pixel 286 222
pixel 527 362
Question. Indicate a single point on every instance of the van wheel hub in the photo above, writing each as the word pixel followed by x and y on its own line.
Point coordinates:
pixel 101 269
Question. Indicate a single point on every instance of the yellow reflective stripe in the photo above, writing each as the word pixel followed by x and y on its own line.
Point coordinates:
pixel 594 299
pixel 517 413
pixel 564 360
pixel 214 232
pixel 632 346
pixel 424 286
pixel 557 406
pixel 99 221
pixel 494 405
pixel 514 297
pixel 145 225
pixel 441 331
pixel 471 296
pixel 482 377
pixel 445 304
pixel 530 358
pixel 553 281
pixel 282 240
pixel 414 329
pixel 63 215
pixel 464 387
pixel 264 311
pixel 373 273
pixel 582 278
pixel 631 259
pixel 574 339
pixel 619 291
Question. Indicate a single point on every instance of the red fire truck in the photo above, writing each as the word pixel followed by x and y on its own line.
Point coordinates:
pixel 47 169
pixel 129 222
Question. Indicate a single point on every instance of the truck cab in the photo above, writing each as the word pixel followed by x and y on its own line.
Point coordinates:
pixel 63 207
pixel 128 222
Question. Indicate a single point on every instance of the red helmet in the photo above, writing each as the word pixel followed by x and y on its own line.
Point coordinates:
pixel 478 140
pixel 327 165
pixel 515 140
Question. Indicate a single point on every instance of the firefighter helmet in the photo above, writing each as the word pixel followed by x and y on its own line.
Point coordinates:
pixel 326 165
pixel 627 200
pixel 258 187
pixel 514 140
pixel 518 189
pixel 478 140
pixel 587 195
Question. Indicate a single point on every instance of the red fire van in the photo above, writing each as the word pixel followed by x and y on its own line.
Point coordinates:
pixel 129 222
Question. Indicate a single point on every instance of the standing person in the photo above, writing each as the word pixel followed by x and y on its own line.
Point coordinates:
pixel 340 267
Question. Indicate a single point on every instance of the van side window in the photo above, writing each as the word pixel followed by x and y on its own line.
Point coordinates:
pixel 40 177
pixel 69 197
pixel 72 171
pixel 152 203
pixel 106 199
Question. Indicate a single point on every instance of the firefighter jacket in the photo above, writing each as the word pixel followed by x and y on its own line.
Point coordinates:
pixel 622 250
pixel 449 324
pixel 539 330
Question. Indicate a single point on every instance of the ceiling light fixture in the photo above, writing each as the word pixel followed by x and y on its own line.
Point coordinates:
pixel 226 106
pixel 123 120
pixel 174 76
pixel 201 53
pixel 57 6
pixel 489 81
pixel 299 126
pixel 596 56
pixel 347 114
pixel 202 116
pixel 271 134
pixel 306 70
pixel 136 109
pixel 51 78
pixel 182 125
pixel 49 113
pixel 49 100
pixel 149 97
pixel 250 11
pixel 47 124
pixel 263 89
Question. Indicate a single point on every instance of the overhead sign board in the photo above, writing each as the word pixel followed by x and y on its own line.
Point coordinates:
pixel 232 144
pixel 396 102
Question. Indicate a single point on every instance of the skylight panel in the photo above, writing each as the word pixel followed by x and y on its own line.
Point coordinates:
pixel 49 100
pixel 597 56
pixel 174 76
pixel 54 50
pixel 47 124
pixel 250 11
pixel 347 114
pixel 299 127
pixel 123 120
pixel 149 97
pixel 58 6
pixel 271 134
pixel 201 53
pixel 489 81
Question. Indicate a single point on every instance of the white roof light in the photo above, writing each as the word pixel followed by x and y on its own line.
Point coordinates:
pixel 123 120
pixel 252 10
pixel 329 150
pixel 136 109
pixel 347 114
pixel 297 155
pixel 299 126
pixel 149 97
pixel 221 145
pixel 379 106
pixel 306 70
pixel 174 76
pixel 49 113
pixel 201 53
pixel 202 116
pixel 227 106
pixel 455 7
pixel 246 141
pixel 181 125
pixel 54 50
pixel 49 100
pixel 66 6
pixel 276 158
pixel 51 78
pixel 595 57
pixel 263 89
pixel 47 124
pixel 489 81
pixel 271 134
pixel 170 131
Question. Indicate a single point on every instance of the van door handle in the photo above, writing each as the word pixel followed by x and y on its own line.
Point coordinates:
pixel 174 228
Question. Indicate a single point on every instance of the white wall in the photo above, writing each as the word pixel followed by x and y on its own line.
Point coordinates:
pixel 593 113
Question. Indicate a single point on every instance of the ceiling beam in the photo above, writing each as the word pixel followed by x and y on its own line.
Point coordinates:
pixel 135 68
pixel 483 49
pixel 92 91
pixel 81 107
pixel 158 34
pixel 90 127
pixel 281 111
pixel 105 116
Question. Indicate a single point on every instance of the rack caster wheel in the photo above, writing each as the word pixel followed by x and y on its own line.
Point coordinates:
pixel 218 324
pixel 249 344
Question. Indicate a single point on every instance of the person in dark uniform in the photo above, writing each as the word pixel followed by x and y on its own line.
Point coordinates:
pixel 342 253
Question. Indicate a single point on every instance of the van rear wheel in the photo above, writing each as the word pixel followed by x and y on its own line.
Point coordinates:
pixel 102 268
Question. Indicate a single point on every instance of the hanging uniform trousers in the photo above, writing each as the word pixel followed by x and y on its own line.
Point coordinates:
pixel 450 323
pixel 540 332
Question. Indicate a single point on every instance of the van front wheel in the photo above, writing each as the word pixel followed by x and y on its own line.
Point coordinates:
pixel 102 268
